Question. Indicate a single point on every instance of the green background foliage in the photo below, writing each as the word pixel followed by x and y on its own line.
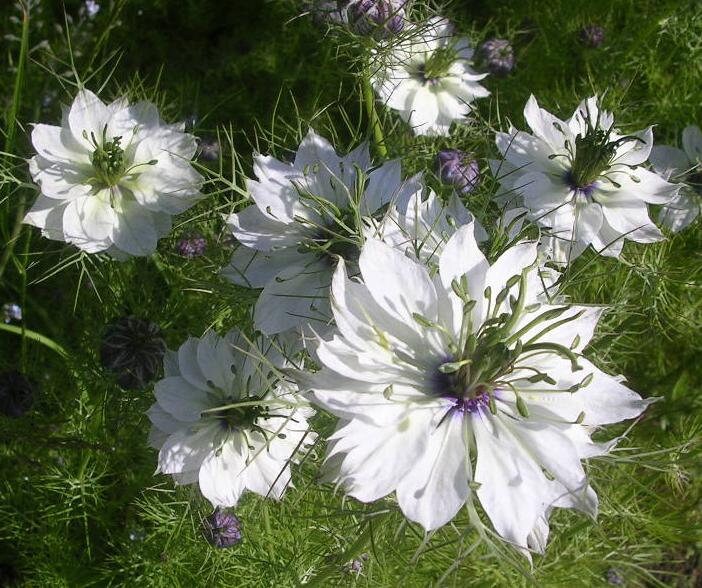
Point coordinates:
pixel 79 503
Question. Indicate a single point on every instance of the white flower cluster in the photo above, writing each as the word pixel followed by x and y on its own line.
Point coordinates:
pixel 457 383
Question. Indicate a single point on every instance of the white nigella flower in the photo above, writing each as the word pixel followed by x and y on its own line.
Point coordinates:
pixel 304 215
pixel 224 418
pixel 583 181
pixel 428 79
pixel 468 384
pixel 422 227
pixel 683 166
pixel 111 176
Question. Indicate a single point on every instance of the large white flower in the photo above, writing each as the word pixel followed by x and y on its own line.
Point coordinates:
pixel 464 385
pixel 304 214
pixel 225 419
pixel 684 166
pixel 428 79
pixel 111 176
pixel 581 180
pixel 422 227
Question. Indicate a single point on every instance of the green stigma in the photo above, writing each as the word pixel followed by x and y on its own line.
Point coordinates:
pixel 438 64
pixel 108 159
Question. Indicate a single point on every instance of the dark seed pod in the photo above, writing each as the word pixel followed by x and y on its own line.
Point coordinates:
pixel 133 350
pixel 16 394
pixel 222 529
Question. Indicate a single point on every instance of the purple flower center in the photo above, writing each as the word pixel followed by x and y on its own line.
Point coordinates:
pixel 587 190
pixel 472 405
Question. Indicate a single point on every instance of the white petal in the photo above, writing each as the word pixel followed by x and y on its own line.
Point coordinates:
pixel 297 296
pixel 189 366
pixel 181 399
pixel 692 143
pixel 254 269
pixel 376 459
pixel 184 450
pixel 220 476
pixel 258 231
pixel 669 161
pixel 398 284
pixel 681 211
pixel 513 491
pixel 436 487
pixel 47 214
pixel 88 116
pixel 630 219
pixel 215 358
pixel 134 231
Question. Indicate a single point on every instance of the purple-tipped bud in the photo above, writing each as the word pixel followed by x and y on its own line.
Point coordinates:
pixel 614 578
pixel 16 394
pixel 222 529
pixel 192 246
pixel 133 350
pixel 382 18
pixel 458 169
pixel 208 149
pixel 497 56
pixel 592 36
pixel 11 312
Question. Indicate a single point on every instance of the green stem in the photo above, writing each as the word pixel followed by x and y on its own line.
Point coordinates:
pixel 34 336
pixel 373 119
pixel 357 547
pixel 11 133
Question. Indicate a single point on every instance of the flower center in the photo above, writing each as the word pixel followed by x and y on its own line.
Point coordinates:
pixel 436 66
pixel 108 161
pixel 593 154
pixel 491 357
pixel 242 416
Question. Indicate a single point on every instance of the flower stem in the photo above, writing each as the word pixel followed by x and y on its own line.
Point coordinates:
pixel 364 537
pixel 10 135
pixel 373 118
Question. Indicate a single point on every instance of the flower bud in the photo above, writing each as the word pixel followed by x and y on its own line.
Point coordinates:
pixel 497 56
pixel 382 18
pixel 592 36
pixel 132 349
pixel 222 529
pixel 11 312
pixel 208 149
pixel 459 169
pixel 16 394
pixel 191 246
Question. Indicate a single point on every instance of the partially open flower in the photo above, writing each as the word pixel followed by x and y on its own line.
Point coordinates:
pixel 132 349
pixel 497 56
pixel 222 529
pixel 459 169
pixel 683 166
pixel 16 394
pixel 111 176
pixel 304 215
